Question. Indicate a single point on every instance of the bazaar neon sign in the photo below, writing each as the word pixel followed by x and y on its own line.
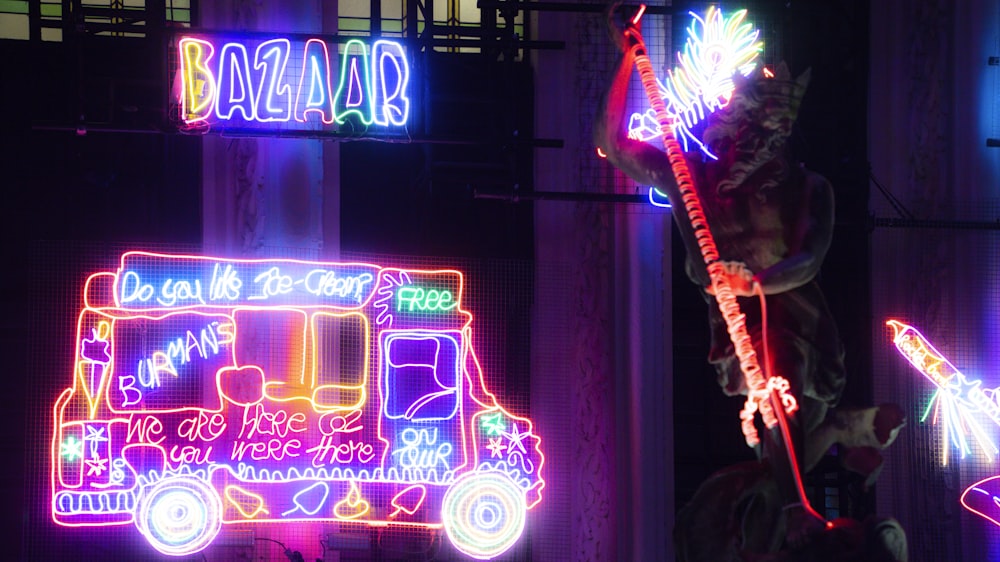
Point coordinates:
pixel 209 391
pixel 232 83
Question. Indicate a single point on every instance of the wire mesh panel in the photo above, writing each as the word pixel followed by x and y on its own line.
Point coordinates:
pixel 373 408
pixel 935 299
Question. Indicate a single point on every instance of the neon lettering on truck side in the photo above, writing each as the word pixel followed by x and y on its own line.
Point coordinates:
pixel 268 391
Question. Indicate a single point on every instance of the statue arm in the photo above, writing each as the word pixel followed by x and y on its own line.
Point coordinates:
pixel 815 233
pixel 640 161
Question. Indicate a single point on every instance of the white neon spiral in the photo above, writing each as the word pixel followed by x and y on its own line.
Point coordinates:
pixel 179 516
pixel 484 514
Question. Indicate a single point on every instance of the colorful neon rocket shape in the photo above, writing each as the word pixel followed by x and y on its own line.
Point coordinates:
pixel 935 366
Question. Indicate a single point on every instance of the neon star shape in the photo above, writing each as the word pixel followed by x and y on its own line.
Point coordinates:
pixel 95 435
pixel 493 424
pixel 71 448
pixel 516 439
pixel 96 466
pixel 496 447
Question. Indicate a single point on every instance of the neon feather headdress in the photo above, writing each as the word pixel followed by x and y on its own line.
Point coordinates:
pixel 717 49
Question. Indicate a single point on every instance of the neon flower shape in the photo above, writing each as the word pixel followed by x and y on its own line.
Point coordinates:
pixel 958 403
pixel 717 48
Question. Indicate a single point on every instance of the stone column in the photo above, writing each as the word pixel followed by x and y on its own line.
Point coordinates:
pixel 270 196
pixel 600 391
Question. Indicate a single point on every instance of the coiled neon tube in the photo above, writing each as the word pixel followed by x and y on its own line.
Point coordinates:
pixel 764 395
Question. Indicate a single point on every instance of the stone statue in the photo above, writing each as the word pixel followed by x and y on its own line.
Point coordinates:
pixel 772 220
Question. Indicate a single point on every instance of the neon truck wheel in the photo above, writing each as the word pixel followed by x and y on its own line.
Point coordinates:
pixel 179 516
pixel 484 514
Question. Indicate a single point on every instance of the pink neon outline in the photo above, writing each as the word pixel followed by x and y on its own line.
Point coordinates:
pixel 979 488
pixel 411 510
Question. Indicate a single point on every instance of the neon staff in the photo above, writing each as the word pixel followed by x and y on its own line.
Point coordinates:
pixel 230 81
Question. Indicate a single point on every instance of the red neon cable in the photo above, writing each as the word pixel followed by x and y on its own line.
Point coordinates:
pixel 761 396
pixel 638 14
pixel 776 398
pixel 728 306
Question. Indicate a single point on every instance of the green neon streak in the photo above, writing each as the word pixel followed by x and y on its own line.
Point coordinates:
pixel 927 410
pixel 493 425
pixel 417 298
pixel 70 449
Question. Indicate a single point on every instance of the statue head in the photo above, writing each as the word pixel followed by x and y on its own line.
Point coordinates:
pixel 752 130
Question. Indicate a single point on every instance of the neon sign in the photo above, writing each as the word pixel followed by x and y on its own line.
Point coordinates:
pixel 283 84
pixel 210 391
pixel 983 499
pixel 717 48
pixel 958 403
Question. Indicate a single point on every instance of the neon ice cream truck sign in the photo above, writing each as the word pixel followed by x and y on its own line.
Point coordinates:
pixel 211 391
pixel 283 84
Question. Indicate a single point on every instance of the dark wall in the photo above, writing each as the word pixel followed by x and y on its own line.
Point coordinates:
pixel 65 188
pixel 425 198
